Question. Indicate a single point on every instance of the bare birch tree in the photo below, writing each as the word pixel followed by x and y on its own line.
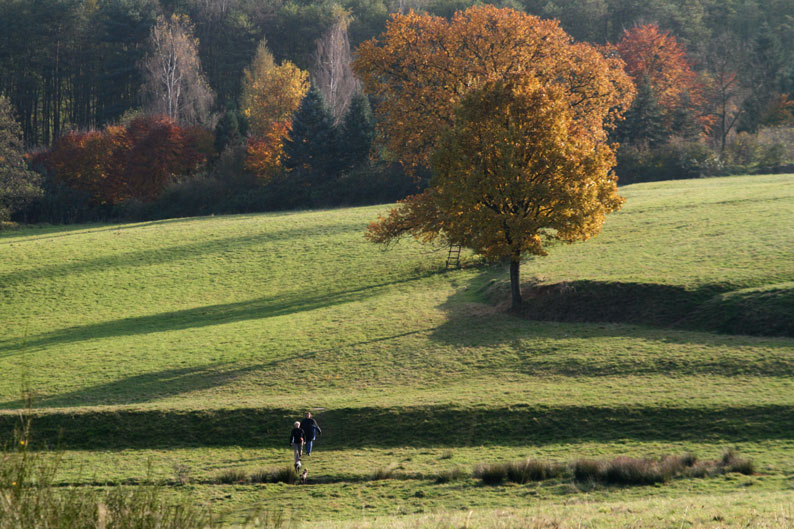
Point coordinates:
pixel 174 84
pixel 332 73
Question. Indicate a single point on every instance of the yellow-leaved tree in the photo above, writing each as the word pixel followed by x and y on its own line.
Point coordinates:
pixel 511 115
pixel 271 93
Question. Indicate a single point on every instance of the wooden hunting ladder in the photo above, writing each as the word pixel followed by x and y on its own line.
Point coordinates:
pixel 453 258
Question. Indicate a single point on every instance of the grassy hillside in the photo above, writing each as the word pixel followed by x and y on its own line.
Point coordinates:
pixel 194 343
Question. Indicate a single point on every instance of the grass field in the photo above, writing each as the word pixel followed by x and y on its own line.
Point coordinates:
pixel 180 349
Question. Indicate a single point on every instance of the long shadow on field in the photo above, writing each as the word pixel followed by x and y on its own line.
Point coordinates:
pixel 166 254
pixel 662 306
pixel 647 304
pixel 574 337
pixel 149 387
pixel 139 388
pixel 69 230
pixel 266 307
pixel 415 426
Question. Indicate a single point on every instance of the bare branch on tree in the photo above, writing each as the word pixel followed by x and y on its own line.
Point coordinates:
pixel 174 84
pixel 332 73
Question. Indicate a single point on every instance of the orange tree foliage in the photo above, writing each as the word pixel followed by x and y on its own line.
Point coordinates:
pixel 271 94
pixel 122 163
pixel 422 66
pixel 91 161
pixel 265 152
pixel 657 56
pixel 511 115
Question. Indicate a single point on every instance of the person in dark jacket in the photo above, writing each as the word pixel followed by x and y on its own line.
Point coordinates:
pixel 296 439
pixel 310 429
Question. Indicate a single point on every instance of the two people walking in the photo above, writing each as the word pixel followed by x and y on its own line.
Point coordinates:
pixel 303 435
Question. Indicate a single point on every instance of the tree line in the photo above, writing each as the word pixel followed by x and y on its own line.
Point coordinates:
pixel 75 64
pixel 272 81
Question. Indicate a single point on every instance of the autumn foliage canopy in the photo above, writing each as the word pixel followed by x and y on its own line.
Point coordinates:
pixel 422 66
pixel 512 117
pixel 656 56
pixel 270 96
pixel 135 161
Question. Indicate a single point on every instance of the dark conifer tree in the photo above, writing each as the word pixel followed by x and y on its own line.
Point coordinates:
pixel 684 123
pixel 644 123
pixel 313 145
pixel 358 132
pixel 227 131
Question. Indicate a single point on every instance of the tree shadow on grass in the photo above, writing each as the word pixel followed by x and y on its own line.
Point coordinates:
pixel 139 388
pixel 266 307
pixel 164 255
pixel 149 387
pixel 647 315
pixel 420 426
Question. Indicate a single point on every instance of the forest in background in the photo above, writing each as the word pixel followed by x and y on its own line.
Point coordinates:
pixel 80 65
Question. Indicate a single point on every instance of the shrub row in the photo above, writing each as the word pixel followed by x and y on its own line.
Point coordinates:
pixel 770 150
pixel 621 470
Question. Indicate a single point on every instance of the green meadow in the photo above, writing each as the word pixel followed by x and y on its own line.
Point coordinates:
pixel 177 351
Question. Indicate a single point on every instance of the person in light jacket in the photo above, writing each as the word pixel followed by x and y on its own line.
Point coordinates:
pixel 297 438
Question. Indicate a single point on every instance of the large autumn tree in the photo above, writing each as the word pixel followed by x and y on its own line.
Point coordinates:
pixel 511 116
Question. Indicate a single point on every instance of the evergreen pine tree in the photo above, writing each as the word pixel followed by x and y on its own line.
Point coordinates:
pixel 644 123
pixel 358 132
pixel 227 131
pixel 684 123
pixel 313 144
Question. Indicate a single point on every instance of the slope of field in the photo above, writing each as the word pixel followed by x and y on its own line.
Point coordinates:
pixel 195 342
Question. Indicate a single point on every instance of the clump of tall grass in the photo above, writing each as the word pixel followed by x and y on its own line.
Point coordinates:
pixel 491 474
pixel 625 470
pixel 284 475
pixel 532 470
pixel 520 472
pixel 231 476
pixel 453 474
pixel 622 470
pixel 644 471
pixel 587 470
pixel 730 462
pixel 261 475
pixel 633 471
pixel 386 472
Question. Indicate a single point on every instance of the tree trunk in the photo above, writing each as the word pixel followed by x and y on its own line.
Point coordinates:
pixel 515 282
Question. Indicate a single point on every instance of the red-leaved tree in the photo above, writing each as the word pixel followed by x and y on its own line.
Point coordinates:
pixel 656 57
pixel 136 161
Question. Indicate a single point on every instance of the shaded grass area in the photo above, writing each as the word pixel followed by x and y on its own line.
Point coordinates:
pixel 764 311
pixel 388 427
pixel 255 309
